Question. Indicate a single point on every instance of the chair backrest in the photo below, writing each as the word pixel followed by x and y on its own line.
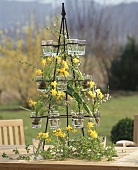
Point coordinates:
pixel 12 132
pixel 135 131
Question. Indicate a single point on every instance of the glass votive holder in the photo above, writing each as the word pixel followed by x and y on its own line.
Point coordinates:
pixel 36 121
pixel 77 119
pixel 61 83
pixel 54 119
pixel 47 46
pixel 81 47
pixel 85 83
pixel 55 49
pixel 37 148
pixel 72 46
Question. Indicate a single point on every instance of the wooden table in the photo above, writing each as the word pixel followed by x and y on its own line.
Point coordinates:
pixel 127 160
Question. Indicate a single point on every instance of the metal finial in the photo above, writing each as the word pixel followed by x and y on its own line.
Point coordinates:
pixel 63 13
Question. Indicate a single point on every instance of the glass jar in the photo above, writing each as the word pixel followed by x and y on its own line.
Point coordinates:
pixel 36 121
pixel 47 46
pixel 54 119
pixel 77 119
pixel 81 47
pixel 72 46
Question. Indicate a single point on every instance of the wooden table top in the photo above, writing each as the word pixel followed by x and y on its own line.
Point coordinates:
pixel 127 160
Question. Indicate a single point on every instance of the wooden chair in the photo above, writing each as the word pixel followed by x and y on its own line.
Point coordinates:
pixel 12 132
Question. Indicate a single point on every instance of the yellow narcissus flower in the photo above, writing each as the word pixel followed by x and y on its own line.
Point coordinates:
pixel 62 71
pixel 68 128
pixel 43 62
pixel 89 131
pixel 98 91
pixel 54 92
pixel 75 60
pixel 60 94
pixel 31 102
pixel 65 64
pixel 39 72
pixel 90 124
pixel 101 95
pixel 74 130
pixel 58 59
pixel 92 84
pixel 46 135
pixel 91 94
pixel 54 84
pixel 94 134
pixel 49 58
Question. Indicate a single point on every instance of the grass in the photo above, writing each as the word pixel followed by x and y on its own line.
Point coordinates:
pixel 111 112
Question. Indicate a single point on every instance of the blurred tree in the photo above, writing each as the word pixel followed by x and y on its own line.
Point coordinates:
pixel 94 24
pixel 124 69
pixel 16 78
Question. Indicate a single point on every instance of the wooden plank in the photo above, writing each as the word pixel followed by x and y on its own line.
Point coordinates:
pixel 11 135
pixel 5 135
pixel 0 136
pixel 135 133
pixel 22 135
pixel 16 135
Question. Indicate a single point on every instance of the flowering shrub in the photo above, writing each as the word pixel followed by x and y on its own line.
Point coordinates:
pixel 88 147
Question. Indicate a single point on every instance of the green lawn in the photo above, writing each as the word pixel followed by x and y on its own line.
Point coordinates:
pixel 111 112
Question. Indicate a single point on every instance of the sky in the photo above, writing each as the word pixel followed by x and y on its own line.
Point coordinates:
pixel 99 1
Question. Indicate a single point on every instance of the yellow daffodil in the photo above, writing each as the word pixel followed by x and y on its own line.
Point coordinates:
pixel 54 92
pixel 65 64
pixel 89 131
pixel 68 128
pixel 43 62
pixel 58 59
pixel 92 84
pixel 75 60
pixel 49 58
pixel 74 130
pixel 91 94
pixel 32 103
pixel 94 134
pixel 54 84
pixel 90 124
pixel 39 72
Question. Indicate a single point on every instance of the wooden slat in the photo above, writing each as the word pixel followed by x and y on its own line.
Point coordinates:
pixel 135 133
pixel 16 135
pixel 22 135
pixel 11 135
pixel 5 135
pixel 0 136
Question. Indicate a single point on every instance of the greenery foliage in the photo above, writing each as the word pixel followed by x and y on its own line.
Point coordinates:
pixel 124 69
pixel 123 130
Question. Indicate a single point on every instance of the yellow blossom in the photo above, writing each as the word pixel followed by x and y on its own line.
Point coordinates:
pixel 75 60
pixel 90 124
pixel 31 102
pixel 91 83
pixel 65 64
pixel 94 134
pixel 54 83
pixel 98 91
pixel 54 92
pixel 68 128
pixel 49 58
pixel 91 94
pixel 43 62
pixel 58 59
pixel 74 130
pixel 89 131
pixel 39 72
pixel 101 95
